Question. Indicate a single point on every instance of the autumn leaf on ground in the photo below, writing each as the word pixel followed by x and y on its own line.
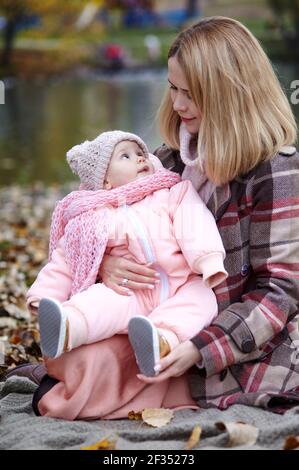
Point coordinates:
pixel 291 442
pixel 194 438
pixel 157 417
pixel 25 214
pixel 239 433
pixel 135 415
pixel 103 444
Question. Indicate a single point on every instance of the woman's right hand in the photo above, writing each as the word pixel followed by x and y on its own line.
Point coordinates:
pixel 114 270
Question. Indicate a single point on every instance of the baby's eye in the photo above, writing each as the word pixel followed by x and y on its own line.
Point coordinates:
pixel 125 155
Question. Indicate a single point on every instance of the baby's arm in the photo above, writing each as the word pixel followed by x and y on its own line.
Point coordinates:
pixel 54 280
pixel 197 234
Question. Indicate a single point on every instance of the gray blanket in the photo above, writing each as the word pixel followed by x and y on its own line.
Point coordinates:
pixel 21 429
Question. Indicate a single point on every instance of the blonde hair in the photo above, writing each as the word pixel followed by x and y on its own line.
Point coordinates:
pixel 246 117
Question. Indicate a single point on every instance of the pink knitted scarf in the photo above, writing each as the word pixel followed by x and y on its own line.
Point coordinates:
pixel 86 229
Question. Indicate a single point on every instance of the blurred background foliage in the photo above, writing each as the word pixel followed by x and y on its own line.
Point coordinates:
pixel 73 68
pixel 57 34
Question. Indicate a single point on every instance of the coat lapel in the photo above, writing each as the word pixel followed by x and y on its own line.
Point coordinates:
pixel 219 200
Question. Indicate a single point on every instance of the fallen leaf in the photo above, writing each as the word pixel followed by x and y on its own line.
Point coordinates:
pixel 15 339
pixel 239 433
pixel 291 442
pixel 135 415
pixel 103 444
pixel 157 417
pixel 194 438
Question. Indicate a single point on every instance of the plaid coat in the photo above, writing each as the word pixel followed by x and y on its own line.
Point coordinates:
pixel 251 350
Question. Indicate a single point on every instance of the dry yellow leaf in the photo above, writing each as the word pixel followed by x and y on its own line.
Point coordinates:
pixel 103 444
pixel 292 442
pixel 239 433
pixel 135 415
pixel 194 438
pixel 157 417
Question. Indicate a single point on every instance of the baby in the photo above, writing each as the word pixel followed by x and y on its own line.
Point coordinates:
pixel 128 205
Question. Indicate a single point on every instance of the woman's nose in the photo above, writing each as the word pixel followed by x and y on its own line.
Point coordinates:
pixel 179 103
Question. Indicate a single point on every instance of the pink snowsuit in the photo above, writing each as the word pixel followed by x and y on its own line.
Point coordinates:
pixel 173 229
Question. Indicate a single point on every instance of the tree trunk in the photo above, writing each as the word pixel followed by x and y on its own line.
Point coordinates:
pixel 10 32
pixel 191 8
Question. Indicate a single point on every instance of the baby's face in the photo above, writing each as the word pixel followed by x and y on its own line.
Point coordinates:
pixel 127 164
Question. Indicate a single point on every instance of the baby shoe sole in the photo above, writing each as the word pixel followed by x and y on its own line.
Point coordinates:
pixel 144 339
pixel 52 323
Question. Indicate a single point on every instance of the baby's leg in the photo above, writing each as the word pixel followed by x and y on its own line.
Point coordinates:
pixel 179 318
pixel 89 316
pixel 98 313
pixel 192 308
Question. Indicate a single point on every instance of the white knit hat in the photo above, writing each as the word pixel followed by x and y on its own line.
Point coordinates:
pixel 90 160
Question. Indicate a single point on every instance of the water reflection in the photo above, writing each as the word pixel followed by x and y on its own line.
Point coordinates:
pixel 40 122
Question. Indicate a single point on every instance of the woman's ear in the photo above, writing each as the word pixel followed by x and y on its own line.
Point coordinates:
pixel 107 184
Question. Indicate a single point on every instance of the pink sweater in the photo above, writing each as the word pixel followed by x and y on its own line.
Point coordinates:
pixel 171 228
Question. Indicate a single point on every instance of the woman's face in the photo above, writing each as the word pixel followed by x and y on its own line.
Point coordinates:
pixel 182 101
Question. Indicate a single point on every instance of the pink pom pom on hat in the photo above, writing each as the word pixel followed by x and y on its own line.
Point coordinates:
pixel 90 160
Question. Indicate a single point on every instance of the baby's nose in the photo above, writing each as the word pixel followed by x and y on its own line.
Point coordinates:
pixel 140 158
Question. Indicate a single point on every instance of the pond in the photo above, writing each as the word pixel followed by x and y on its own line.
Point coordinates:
pixel 39 122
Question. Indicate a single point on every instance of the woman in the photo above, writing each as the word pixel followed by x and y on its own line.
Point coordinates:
pixel 229 128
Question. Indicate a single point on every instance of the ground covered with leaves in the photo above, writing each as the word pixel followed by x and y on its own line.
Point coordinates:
pixel 25 215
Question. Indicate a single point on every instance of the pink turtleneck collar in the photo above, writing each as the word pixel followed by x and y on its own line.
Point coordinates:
pixel 194 161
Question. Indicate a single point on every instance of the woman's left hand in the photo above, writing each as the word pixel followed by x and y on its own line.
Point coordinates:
pixel 176 363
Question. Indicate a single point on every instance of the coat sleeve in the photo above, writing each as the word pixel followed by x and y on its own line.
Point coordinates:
pixel 170 158
pixel 54 280
pixel 197 234
pixel 240 332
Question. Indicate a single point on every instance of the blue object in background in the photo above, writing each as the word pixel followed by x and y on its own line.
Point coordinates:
pixel 174 17
pixel 22 22
pixel 137 17
pixel 2 23
pixel 28 21
pixel 177 17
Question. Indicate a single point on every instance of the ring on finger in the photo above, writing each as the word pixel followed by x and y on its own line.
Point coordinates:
pixel 125 281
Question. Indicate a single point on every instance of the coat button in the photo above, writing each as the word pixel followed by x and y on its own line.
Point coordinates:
pixel 247 345
pixel 245 269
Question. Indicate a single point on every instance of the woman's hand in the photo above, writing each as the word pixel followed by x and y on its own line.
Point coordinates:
pixel 114 270
pixel 176 363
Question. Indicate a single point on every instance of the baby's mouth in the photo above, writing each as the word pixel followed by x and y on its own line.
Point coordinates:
pixel 144 168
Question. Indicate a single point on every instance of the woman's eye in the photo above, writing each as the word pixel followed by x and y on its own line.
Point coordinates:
pixel 172 87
